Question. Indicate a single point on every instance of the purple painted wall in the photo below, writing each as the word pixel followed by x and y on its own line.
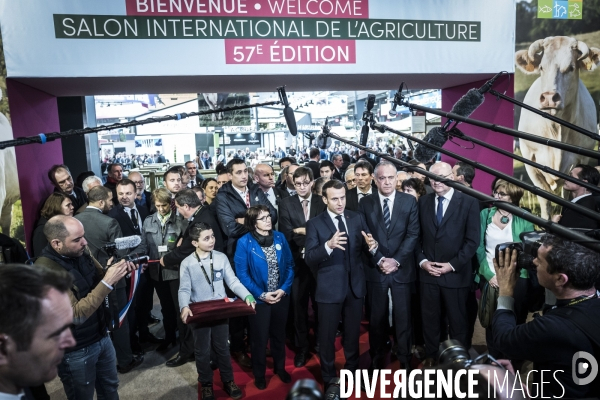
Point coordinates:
pixel 497 112
pixel 33 111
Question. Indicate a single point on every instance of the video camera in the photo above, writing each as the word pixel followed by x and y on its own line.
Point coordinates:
pixel 526 250
pixel 125 243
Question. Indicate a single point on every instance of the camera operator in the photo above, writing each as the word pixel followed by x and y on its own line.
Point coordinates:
pixel 92 362
pixel 569 271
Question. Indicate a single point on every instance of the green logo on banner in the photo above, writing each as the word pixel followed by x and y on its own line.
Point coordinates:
pixel 560 9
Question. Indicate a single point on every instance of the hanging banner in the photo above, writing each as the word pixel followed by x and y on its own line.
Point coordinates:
pixel 105 38
pixel 557 55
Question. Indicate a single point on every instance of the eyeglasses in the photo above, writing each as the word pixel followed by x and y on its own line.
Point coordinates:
pixel 443 176
pixel 500 194
pixel 138 182
pixel 301 184
pixel 263 219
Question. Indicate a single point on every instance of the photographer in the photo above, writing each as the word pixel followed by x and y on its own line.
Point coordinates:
pixel 92 362
pixel 569 271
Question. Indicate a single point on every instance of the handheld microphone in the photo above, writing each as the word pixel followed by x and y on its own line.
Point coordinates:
pixel 288 112
pixel 397 99
pixel 364 133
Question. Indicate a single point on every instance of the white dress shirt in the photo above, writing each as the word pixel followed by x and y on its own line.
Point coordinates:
pixel 7 396
pixel 333 217
pixel 271 196
pixel 137 212
pixel 390 203
pixel 576 199
pixel 242 194
pixel 447 197
pixel 309 202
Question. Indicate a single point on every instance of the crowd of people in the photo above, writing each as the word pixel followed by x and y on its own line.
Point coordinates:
pixel 342 236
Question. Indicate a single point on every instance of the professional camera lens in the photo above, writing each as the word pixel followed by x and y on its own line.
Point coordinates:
pixel 305 389
pixel 451 351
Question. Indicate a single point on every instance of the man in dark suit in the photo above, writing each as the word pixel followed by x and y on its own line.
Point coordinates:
pixel 581 196
pixel 130 218
pixel 363 172
pixel 142 196
pixel 315 157
pixel 450 235
pixel 195 177
pixel 115 175
pixel 335 241
pixel 233 199
pixel 338 163
pixel 393 219
pixel 294 212
pixel 61 178
pixel 326 169
pixel 100 229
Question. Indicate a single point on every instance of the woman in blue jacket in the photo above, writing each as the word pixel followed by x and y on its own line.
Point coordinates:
pixel 265 266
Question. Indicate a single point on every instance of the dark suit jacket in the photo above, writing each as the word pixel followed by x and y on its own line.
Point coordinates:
pixel 397 243
pixel 280 194
pixel 175 257
pixel 352 197
pixel 291 216
pixel 338 175
pixel 572 219
pixel 333 281
pixel 231 206
pixel 100 229
pixel 455 241
pixel 125 222
pixel 315 166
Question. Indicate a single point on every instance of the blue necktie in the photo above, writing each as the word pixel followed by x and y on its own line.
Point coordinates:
pixel 440 210
pixel 386 214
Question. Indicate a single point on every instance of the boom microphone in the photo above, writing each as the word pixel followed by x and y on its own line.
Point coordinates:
pixel 436 136
pixel 324 140
pixel 288 112
pixel 364 132
pixel 466 105
pixel 397 99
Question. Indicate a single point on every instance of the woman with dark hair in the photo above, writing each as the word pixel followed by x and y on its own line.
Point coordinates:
pixel 56 204
pixel 415 187
pixel 264 265
pixel 211 187
pixel 499 226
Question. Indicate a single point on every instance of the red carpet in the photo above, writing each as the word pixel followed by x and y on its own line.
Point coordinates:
pixel 278 390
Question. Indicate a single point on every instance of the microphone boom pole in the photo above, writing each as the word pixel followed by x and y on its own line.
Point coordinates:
pixel 535 190
pixel 455 132
pixel 507 131
pixel 43 138
pixel 549 225
pixel 546 115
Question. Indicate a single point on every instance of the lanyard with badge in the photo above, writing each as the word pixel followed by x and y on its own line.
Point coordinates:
pixel 164 229
pixel 212 272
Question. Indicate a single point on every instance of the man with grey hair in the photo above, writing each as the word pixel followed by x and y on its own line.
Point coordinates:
pixel 88 184
pixel 393 219
pixel 142 196
pixel 338 172
pixel 450 235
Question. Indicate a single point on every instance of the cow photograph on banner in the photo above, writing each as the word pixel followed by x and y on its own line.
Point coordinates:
pixel 11 213
pixel 557 54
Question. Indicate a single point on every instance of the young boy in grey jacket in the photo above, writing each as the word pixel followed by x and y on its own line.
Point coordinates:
pixel 202 275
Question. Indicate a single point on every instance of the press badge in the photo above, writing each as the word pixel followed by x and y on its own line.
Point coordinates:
pixel 162 249
pixel 218 275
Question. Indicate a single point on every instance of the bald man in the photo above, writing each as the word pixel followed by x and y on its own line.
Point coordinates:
pixel 450 235
pixel 264 177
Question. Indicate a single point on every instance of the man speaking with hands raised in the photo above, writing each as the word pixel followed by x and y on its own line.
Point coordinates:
pixel 335 240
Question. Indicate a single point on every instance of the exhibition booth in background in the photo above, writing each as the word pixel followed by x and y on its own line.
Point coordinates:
pixel 58 52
